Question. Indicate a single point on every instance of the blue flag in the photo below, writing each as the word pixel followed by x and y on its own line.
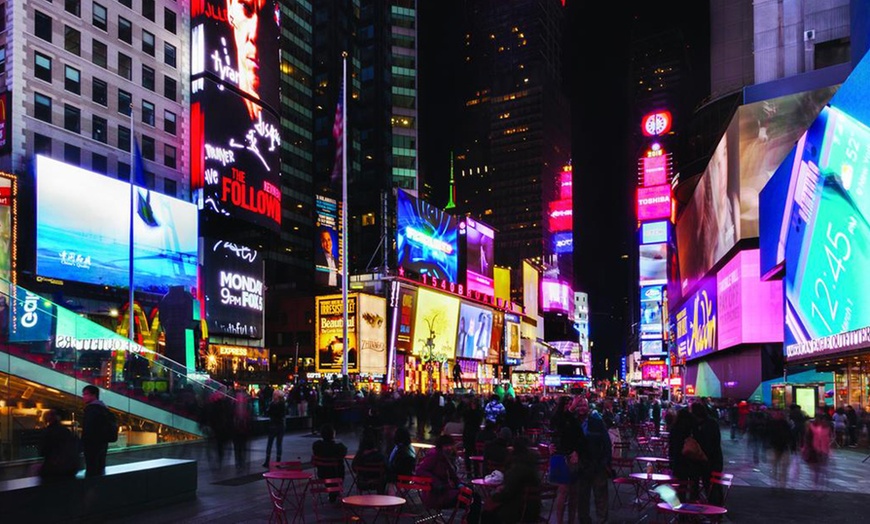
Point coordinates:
pixel 143 202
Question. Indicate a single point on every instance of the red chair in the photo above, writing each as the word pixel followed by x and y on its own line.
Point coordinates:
pixel 463 506
pixel 412 489
pixel 622 467
pixel 321 489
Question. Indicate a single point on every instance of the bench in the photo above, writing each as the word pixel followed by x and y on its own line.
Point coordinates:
pixel 124 489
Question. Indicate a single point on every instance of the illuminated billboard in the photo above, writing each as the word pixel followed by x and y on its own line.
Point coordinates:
pixel 651 312
pixel 696 323
pixel 5 229
pixel 404 329
pixel 556 296
pixel 327 249
pixel 653 261
pixel 654 202
pixel 512 339
pixel 654 169
pixel 480 252
pixel 235 160
pixel 563 242
pixel 475 332
pixel 566 183
pixel 750 311
pixel 426 239
pixel 435 325
pixel 329 334
pixel 654 232
pixel 234 288
pixel 372 322
pixel 83 231
pixel 561 216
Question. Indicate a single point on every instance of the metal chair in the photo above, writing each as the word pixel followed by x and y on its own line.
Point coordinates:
pixel 463 506
pixel 412 488
pixel 320 490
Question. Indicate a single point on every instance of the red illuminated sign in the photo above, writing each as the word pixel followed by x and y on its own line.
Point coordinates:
pixel 655 170
pixel 566 184
pixel 656 123
pixel 654 202
pixel 561 216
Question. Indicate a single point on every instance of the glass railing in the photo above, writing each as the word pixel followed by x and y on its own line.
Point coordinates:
pixel 49 353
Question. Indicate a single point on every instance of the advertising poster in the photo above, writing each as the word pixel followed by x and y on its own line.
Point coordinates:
pixel 562 242
pixel 653 260
pixel 234 289
pixel 435 325
pixel 32 317
pixel 655 170
pixel 426 239
pixel 513 352
pixel 372 322
pixel 5 122
pixel 5 229
pixel 475 332
pixel 654 202
pixel 405 325
pixel 654 232
pixel 495 346
pixel 697 324
pixel 327 248
pixel 561 215
pixel 556 296
pixel 83 231
pixel 480 253
pixel 652 348
pixel 329 315
pixel 651 312
pixel 750 311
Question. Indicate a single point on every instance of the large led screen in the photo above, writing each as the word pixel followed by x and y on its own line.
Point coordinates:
pixel 696 323
pixel 435 325
pixel 234 288
pixel 426 239
pixel 512 352
pixel 372 324
pixel 561 216
pixel 236 160
pixel 750 311
pixel 654 232
pixel 556 296
pixel 475 332
pixel 327 251
pixel 497 338
pixel 654 202
pixel 480 250
pixel 236 43
pixel 562 242
pixel 83 231
pixel 653 261
pixel 406 305
pixel 651 312
pixel 827 250
pixel 655 170
pixel 329 333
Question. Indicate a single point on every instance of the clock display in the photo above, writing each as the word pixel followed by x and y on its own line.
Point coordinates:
pixel 655 124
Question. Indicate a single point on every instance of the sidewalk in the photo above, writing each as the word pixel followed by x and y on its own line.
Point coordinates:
pixel 231 495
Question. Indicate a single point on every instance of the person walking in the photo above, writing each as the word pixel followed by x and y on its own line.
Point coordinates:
pixel 709 437
pixel 94 443
pixel 817 447
pixel 594 464
pixel 277 413
pixel 779 439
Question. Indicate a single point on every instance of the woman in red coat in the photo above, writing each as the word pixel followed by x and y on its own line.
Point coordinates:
pixel 440 465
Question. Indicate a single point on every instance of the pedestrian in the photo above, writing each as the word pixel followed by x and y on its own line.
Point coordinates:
pixel 841 425
pixel 709 437
pixel 657 415
pixel 94 442
pixel 59 449
pixel 594 466
pixel 817 447
pixel 852 418
pixel 779 439
pixel 684 468
pixel 242 422
pixel 277 413
pixel 494 409
pixel 568 443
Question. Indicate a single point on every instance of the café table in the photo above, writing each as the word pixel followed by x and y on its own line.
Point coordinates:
pixel 286 494
pixel 382 504
pixel 657 462
pixel 484 486
pixel 421 448
pixel 693 511
pixel 646 482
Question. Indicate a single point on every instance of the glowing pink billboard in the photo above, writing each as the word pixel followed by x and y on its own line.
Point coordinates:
pixel 561 216
pixel 654 202
pixel 556 296
pixel 750 311
pixel 655 170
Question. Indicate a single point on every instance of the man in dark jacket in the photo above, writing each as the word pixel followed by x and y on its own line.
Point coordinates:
pixel 328 448
pixel 94 443
pixel 707 434
pixel 595 461
pixel 59 449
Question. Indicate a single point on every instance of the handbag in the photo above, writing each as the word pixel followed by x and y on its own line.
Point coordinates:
pixel 692 450
pixel 560 472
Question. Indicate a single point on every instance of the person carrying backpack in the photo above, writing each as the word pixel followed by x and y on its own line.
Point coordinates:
pixel 97 426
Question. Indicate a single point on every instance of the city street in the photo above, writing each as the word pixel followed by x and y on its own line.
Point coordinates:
pixel 228 495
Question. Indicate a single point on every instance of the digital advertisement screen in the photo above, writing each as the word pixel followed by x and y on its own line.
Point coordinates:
pixel 83 231
pixel 480 253
pixel 653 260
pixel 696 323
pixel 475 332
pixel 435 325
pixel 513 353
pixel 561 216
pixel 566 183
pixel 556 296
pixel 651 312
pixel 329 333
pixel 750 311
pixel 372 324
pixel 426 239
pixel 235 160
pixel 31 316
pixel 827 250
pixel 493 357
pixel 654 202
pixel 655 170
pixel 772 214
pixel 5 228
pixel 407 301
pixel 563 242
pixel 327 248
pixel 654 371
pixel 234 288
pixel 236 43
pixel 654 232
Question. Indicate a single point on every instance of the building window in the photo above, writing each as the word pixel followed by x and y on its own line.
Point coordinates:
pixel 148 146
pixel 170 187
pixel 125 102
pixel 147 113
pixel 169 124
pixel 3 18
pixel 72 80
pixel 2 59
pixel 169 54
pixel 42 27
pixel 148 9
pixel 125 30
pixel 72 40
pixel 99 163
pixel 147 77
pixel 127 3
pixel 100 17
pixel 125 66
pixel 73 7
pixel 100 92
pixel 72 118
pixel 148 42
pixel 169 22
pixel 169 156
pixel 169 87
pixel 41 144
pixel 100 131
pixel 124 171
pixel 72 154
pixel 124 138
pixel 42 107
pixel 100 54
pixel 42 68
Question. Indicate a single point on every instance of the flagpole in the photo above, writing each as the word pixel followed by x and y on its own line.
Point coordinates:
pixel 344 259
pixel 130 310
